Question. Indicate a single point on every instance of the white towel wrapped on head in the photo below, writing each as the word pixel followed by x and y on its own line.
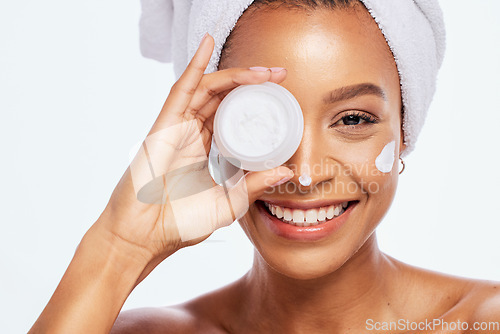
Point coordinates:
pixel 171 30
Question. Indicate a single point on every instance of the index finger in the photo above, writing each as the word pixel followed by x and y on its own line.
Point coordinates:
pixel 183 90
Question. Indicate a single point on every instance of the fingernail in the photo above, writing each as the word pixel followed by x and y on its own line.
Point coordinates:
pixel 277 69
pixel 203 38
pixel 259 68
pixel 283 180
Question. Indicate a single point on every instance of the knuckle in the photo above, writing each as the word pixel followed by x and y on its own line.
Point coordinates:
pixel 211 92
pixel 195 66
pixel 188 90
pixel 191 110
pixel 173 87
pixel 206 85
pixel 183 89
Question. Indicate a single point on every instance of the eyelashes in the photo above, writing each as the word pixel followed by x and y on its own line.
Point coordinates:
pixel 355 119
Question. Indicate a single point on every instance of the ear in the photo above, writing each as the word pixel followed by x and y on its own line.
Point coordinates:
pixel 402 145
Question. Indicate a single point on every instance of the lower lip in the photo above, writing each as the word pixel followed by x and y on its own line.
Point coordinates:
pixel 303 233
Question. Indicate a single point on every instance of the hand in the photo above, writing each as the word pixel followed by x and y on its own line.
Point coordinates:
pixel 167 199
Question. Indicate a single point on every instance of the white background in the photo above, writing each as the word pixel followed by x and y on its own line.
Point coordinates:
pixel 76 95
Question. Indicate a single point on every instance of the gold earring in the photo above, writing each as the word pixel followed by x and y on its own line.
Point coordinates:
pixel 403 163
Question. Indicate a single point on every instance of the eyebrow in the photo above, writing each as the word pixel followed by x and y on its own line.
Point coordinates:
pixel 350 92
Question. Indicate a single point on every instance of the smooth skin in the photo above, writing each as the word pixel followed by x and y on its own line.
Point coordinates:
pixel 131 238
pixel 330 286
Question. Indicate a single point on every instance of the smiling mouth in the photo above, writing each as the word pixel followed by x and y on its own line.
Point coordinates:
pixel 304 218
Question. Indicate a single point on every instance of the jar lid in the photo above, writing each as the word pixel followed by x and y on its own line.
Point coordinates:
pixel 258 126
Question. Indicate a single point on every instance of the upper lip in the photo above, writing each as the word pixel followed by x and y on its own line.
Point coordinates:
pixel 304 205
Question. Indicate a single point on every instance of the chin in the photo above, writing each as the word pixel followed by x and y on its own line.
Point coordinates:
pixel 302 258
pixel 304 265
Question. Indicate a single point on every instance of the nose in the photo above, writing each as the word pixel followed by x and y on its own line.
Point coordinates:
pixel 311 163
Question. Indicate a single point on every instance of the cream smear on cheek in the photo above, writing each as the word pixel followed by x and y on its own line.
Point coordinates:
pixel 385 160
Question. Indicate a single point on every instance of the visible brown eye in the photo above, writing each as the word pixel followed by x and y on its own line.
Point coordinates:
pixel 352 120
pixel 355 118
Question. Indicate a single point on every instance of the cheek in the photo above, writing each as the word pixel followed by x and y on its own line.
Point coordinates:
pixel 247 223
pixel 384 168
pixel 385 160
pixel 372 167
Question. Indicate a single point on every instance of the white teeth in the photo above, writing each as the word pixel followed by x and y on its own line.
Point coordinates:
pixel 322 214
pixel 279 212
pixel 329 212
pixel 287 214
pixel 311 216
pixel 308 217
pixel 298 216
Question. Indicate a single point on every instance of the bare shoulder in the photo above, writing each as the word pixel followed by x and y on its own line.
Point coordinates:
pixel 484 301
pixel 453 297
pixel 165 320
pixel 156 320
pixel 204 314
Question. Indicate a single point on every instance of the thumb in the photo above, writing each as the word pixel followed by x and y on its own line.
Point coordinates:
pixel 258 182
pixel 250 187
pixel 222 205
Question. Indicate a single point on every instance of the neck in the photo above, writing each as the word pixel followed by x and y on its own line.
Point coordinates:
pixel 341 300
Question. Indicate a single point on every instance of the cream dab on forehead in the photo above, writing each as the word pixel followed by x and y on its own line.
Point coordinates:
pixel 385 160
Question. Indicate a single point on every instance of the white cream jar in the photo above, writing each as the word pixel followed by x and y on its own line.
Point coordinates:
pixel 258 127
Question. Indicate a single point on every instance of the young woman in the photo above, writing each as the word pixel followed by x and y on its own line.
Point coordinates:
pixel 327 278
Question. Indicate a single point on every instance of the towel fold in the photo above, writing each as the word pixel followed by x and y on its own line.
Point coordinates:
pixel 170 31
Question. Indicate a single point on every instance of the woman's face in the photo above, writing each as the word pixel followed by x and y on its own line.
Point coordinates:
pixel 344 77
